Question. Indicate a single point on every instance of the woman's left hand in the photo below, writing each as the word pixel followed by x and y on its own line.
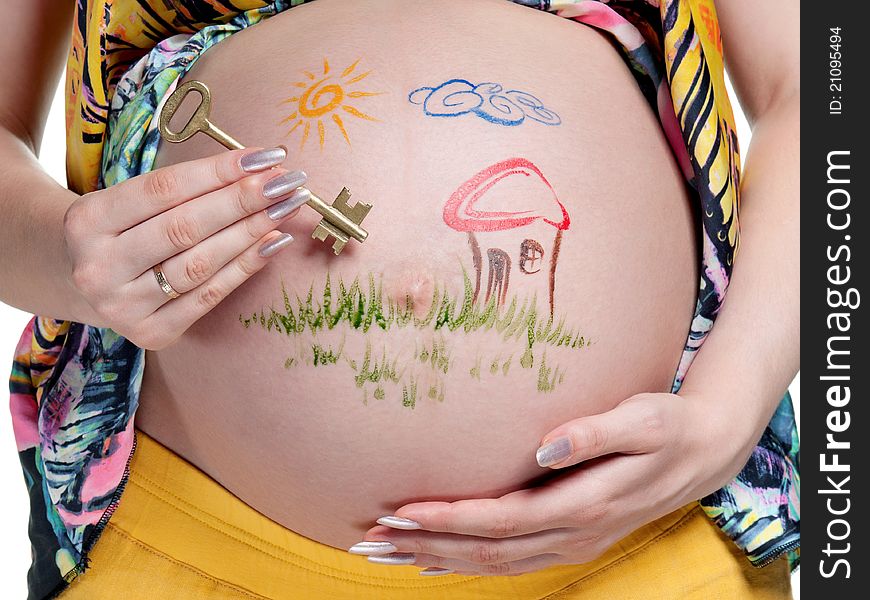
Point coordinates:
pixel 650 455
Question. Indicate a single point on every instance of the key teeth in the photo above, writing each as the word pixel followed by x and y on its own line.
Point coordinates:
pixel 342 198
pixel 338 246
pixel 360 211
pixel 355 213
pixel 325 229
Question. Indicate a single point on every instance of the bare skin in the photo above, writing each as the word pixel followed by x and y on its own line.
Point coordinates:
pixel 764 67
pixel 292 425
pixel 675 436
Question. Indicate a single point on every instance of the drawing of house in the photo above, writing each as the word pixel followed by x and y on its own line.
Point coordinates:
pixel 514 222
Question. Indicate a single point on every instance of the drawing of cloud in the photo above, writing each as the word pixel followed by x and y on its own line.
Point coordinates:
pixel 496 107
pixel 488 101
pixel 450 99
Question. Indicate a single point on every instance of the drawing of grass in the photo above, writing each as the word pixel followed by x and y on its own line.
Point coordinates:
pixel 325 356
pixel 409 394
pixel 365 309
pixel 373 371
pixel 546 381
pixel 437 357
pixel 517 321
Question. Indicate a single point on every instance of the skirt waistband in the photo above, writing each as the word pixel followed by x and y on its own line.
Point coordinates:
pixel 174 508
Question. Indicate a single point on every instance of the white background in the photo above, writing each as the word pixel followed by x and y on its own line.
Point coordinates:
pixel 14 506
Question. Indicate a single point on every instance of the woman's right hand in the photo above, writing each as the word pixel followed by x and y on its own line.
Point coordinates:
pixel 211 222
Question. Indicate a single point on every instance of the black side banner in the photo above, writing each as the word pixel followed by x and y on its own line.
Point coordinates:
pixel 834 251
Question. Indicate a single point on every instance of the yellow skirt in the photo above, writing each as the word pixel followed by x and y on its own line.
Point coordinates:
pixel 178 534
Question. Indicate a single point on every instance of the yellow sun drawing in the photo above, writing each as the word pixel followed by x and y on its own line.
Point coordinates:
pixel 324 95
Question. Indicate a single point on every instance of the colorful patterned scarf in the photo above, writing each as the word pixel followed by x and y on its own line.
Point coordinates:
pixel 75 388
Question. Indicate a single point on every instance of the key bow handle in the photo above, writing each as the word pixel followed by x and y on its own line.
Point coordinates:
pixel 197 119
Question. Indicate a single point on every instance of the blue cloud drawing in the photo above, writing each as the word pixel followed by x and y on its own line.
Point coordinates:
pixel 488 101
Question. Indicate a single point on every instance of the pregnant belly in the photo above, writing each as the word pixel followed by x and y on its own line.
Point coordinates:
pixel 531 259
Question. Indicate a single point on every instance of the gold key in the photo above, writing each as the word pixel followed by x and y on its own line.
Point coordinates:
pixel 340 220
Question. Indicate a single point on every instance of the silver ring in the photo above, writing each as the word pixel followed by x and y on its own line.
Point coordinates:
pixel 164 285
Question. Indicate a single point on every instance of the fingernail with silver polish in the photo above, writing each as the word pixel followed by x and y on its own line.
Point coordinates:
pixel 263 159
pixel 284 184
pixel 273 246
pixel 279 210
pixel 554 452
pixel 398 558
pixel 372 548
pixel 398 522
pixel 433 571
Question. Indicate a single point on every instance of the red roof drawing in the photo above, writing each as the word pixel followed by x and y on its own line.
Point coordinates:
pixel 480 203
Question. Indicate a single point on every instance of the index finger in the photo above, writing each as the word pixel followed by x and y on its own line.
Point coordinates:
pixel 139 198
pixel 518 513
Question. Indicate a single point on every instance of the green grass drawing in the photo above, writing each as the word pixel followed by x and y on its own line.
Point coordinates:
pixel 548 377
pixel 325 356
pixel 437 356
pixel 371 370
pixel 364 308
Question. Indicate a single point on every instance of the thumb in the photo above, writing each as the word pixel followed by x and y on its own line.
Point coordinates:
pixel 632 427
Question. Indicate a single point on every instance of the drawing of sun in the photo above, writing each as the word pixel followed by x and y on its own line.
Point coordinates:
pixel 323 98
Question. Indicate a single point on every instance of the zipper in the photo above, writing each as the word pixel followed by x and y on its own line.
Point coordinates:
pixel 776 553
pixel 88 545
